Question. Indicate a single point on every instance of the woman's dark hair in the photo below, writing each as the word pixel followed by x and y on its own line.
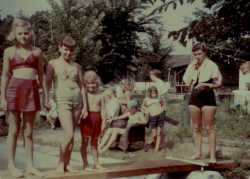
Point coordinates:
pixel 199 46
pixel 68 41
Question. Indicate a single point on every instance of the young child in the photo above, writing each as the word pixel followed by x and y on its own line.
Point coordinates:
pixel 135 117
pixel 93 125
pixel 69 95
pixel 155 76
pixel 20 94
pixel 155 107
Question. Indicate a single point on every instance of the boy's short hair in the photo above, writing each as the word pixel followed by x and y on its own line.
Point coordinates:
pixel 156 73
pixel 23 24
pixel 152 89
pixel 199 46
pixel 91 76
pixel 68 41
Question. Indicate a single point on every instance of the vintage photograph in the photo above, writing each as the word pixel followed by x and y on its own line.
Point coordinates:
pixel 129 89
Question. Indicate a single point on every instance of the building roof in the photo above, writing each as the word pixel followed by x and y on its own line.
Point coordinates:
pixel 180 60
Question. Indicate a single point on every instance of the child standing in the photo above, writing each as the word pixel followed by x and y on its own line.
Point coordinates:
pixel 93 125
pixel 21 94
pixel 155 76
pixel 69 95
pixel 155 107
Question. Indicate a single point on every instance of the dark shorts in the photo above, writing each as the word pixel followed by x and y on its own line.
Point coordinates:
pixel 157 121
pixel 202 98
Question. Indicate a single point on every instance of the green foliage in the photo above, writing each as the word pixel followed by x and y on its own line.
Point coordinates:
pixel 155 56
pixel 226 27
pixel 69 19
pixel 123 22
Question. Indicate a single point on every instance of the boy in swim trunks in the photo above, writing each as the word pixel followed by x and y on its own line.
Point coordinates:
pixel 93 125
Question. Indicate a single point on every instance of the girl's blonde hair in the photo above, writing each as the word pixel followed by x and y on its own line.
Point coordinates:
pixel 91 77
pixel 150 90
pixel 23 24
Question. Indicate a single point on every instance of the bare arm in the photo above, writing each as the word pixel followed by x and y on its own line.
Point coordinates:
pixel 49 75
pixel 142 120
pixel 41 76
pixel 124 116
pixel 127 98
pixel 143 106
pixel 5 77
pixel 82 88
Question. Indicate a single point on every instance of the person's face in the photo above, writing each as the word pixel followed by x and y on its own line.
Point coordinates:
pixel 66 52
pixel 23 35
pixel 131 110
pixel 199 55
pixel 91 87
pixel 152 76
pixel 153 94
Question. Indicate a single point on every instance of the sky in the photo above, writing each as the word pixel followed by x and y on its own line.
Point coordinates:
pixel 173 18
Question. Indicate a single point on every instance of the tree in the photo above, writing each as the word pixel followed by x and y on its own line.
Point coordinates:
pixel 5 26
pixel 155 56
pixel 225 31
pixel 123 23
pixel 80 23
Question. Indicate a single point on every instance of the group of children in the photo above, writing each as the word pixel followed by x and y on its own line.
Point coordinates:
pixel 76 96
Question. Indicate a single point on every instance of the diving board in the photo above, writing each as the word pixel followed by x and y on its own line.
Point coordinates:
pixel 134 168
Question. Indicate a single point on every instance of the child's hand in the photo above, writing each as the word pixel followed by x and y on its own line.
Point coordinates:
pixel 109 121
pixel 133 122
pixel 3 105
pixel 104 125
pixel 84 113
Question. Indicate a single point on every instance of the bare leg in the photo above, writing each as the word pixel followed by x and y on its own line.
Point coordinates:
pixel 48 117
pixel 85 141
pixel 163 135
pixel 195 114
pixel 106 138
pixel 28 122
pixel 154 136
pixel 14 127
pixel 116 132
pixel 158 139
pixel 95 154
pixel 66 120
pixel 208 113
pixel 76 115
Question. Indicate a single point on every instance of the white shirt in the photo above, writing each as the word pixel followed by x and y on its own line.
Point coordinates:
pixel 208 70
pixel 119 92
pixel 161 87
pixel 113 107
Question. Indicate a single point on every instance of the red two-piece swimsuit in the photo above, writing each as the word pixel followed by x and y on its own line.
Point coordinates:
pixel 23 94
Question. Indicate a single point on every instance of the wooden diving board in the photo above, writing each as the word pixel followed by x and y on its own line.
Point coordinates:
pixel 135 168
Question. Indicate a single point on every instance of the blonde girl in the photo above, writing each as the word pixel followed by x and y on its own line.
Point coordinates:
pixel 20 94
pixel 93 125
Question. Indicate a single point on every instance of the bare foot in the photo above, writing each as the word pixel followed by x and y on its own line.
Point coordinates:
pixel 53 127
pixel 212 160
pixel 71 169
pixel 194 157
pixel 15 172
pixel 88 168
pixel 60 168
pixel 33 171
pixel 99 167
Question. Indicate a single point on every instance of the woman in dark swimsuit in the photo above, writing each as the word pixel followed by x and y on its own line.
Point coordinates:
pixel 202 101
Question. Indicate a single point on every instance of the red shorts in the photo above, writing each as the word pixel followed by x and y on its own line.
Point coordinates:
pixel 91 126
pixel 23 95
